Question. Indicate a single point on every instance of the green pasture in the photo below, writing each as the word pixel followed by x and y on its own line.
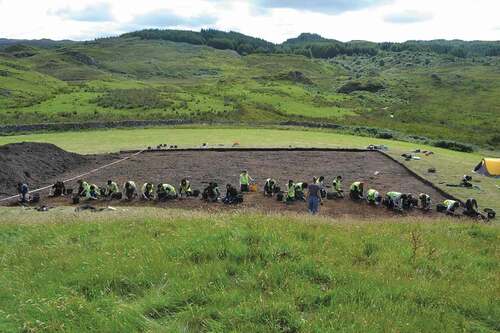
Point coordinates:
pixel 149 271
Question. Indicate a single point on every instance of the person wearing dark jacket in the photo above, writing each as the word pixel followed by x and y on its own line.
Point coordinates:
pixel 211 193
pixel 232 196
pixel 270 187
pixel 58 189
pixel 471 209
pixel 23 190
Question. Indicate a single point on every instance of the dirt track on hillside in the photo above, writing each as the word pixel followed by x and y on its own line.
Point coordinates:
pixel 375 169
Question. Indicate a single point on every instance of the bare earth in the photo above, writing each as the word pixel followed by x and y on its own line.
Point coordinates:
pixel 201 167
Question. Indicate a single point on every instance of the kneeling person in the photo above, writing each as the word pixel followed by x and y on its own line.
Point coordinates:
pixel 373 197
pixel 58 189
pixel 471 209
pixel 211 193
pixel 185 188
pixel 94 192
pixel 356 191
pixel 394 200
pixel 166 192
pixel 130 190
pixel 338 192
pixel 270 187
pixel 83 188
pixel 299 191
pixel 232 196
pixel 113 191
pixel 448 206
pixel 425 202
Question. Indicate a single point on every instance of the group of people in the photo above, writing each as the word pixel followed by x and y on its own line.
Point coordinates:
pixel 314 193
pixel 393 200
pixel 161 192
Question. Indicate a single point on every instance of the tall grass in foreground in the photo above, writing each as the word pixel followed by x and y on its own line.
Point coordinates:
pixel 169 271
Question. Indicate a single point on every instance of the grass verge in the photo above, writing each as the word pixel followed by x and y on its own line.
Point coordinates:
pixel 157 270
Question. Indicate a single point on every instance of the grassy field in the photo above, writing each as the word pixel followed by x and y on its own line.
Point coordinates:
pixel 427 95
pixel 169 271
pixel 451 165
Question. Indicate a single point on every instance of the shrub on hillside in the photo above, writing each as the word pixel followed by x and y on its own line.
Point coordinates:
pixel 132 98
pixel 453 145
pixel 351 86
pixel 221 43
pixel 495 140
pixel 385 135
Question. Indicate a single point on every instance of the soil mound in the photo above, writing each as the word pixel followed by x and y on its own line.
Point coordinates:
pixel 34 163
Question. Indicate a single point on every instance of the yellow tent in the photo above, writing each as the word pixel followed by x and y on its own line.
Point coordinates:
pixel 489 167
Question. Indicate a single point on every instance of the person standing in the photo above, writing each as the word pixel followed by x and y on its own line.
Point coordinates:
pixel 313 198
pixel 23 190
pixel 245 181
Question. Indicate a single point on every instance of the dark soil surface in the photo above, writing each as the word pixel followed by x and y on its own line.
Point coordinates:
pixel 38 164
pixel 33 162
pixel 201 167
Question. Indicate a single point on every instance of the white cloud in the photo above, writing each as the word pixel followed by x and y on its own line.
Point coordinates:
pixel 320 6
pixel 408 16
pixel 165 18
pixel 98 12
pixel 275 21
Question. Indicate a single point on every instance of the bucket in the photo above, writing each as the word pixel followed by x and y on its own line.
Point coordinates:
pixel 253 187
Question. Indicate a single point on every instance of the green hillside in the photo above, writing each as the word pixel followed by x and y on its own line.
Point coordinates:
pixel 417 91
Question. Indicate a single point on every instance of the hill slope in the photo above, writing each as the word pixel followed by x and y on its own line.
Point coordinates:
pixel 417 92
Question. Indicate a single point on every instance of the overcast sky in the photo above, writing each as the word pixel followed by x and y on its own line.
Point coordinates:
pixel 274 20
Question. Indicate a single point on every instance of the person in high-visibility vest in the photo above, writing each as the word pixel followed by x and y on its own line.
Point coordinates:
pixel 83 188
pixel 166 192
pixel 451 206
pixel 130 190
pixel 290 192
pixel 356 191
pixel 112 190
pixel 373 197
pixel 245 180
pixel 394 200
pixel 270 187
pixel 425 202
pixel 185 188
pixel 148 192
pixel 299 191
pixel 337 187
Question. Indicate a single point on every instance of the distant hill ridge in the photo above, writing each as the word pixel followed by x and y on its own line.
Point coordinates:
pixel 317 46
pixel 308 44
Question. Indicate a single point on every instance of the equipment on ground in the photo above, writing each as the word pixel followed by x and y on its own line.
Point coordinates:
pixel 491 213
pixel 35 198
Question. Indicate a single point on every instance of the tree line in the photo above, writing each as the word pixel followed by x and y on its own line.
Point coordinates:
pixel 315 46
